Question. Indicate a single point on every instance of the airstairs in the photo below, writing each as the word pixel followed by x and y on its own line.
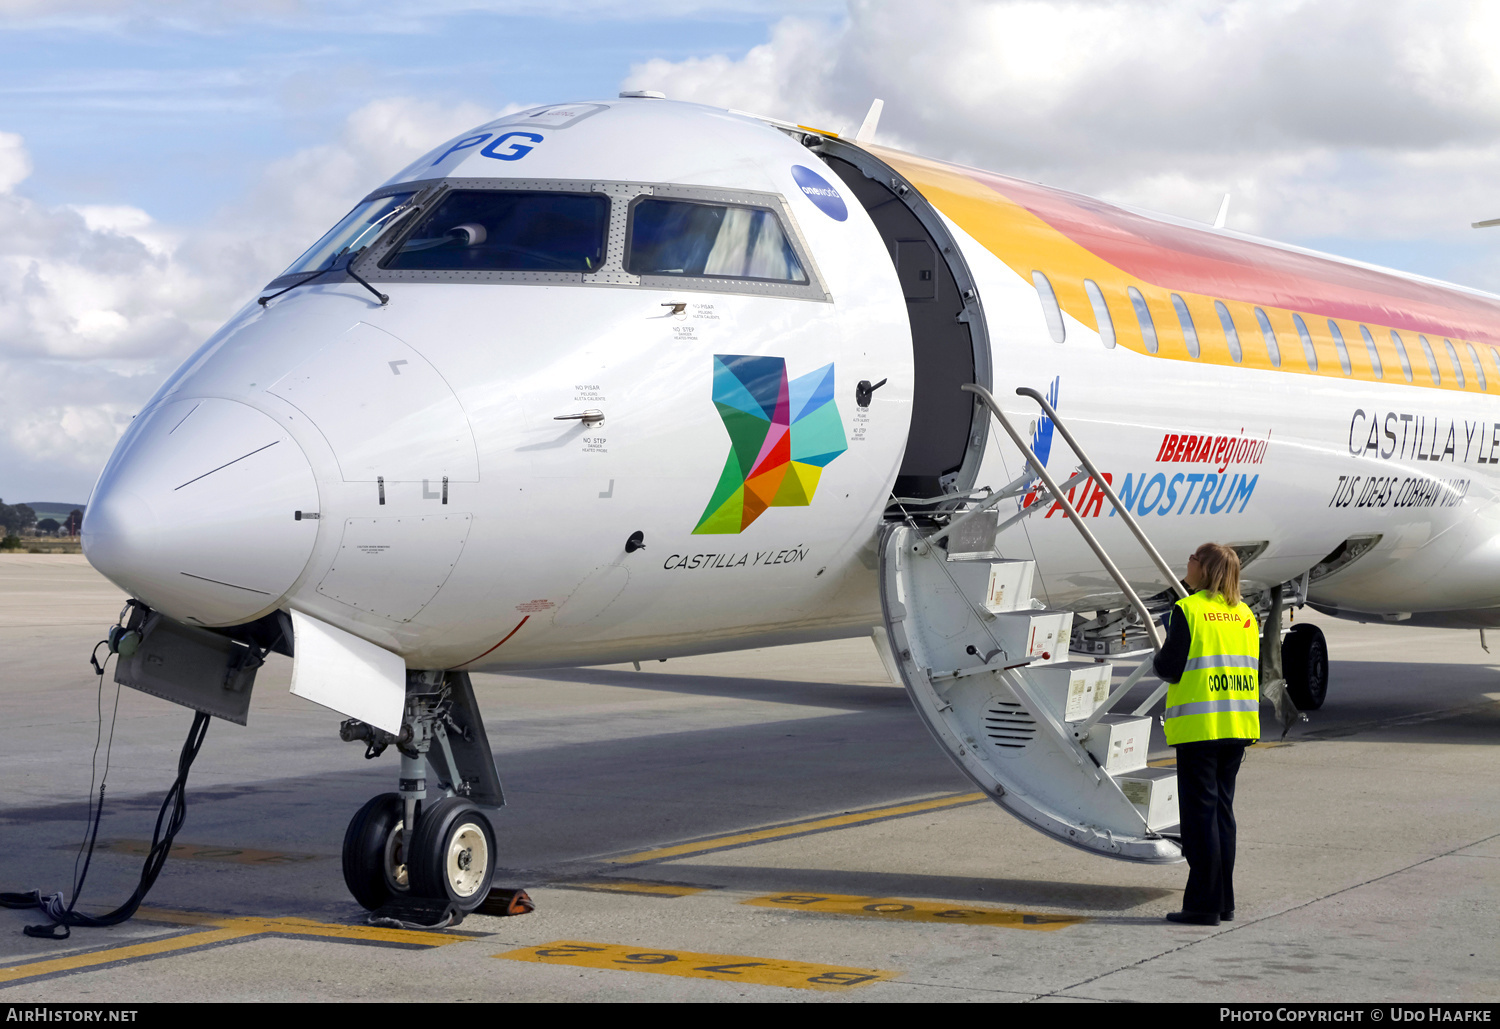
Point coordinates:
pixel 987 668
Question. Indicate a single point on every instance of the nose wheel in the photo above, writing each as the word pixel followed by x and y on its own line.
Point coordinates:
pixel 453 854
pixel 375 868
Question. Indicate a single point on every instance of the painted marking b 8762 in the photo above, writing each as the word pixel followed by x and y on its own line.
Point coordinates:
pixel 798 975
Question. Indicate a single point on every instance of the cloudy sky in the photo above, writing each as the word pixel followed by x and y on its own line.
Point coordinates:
pixel 161 160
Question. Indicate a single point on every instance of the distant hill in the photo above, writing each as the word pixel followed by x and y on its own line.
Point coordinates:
pixel 53 509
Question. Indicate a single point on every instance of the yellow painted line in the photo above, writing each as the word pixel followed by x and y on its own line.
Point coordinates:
pixel 1165 762
pixel 626 886
pixel 797 975
pixel 915 910
pixel 366 933
pixel 221 929
pixel 306 927
pixel 205 852
pixel 77 962
pixel 797 828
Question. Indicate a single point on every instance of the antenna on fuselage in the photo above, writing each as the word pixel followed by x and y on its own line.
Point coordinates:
pixel 1223 214
pixel 866 133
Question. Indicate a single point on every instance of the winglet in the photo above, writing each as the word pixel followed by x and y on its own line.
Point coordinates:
pixel 1223 213
pixel 866 133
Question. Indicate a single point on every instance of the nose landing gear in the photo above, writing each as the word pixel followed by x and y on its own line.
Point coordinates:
pixel 401 847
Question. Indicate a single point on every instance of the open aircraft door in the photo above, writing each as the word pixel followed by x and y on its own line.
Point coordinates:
pixel 989 674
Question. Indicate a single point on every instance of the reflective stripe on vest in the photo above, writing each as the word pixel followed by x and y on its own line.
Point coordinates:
pixel 1218 696
pixel 1204 707
pixel 1222 661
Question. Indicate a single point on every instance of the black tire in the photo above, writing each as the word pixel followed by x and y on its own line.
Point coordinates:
pixel 1304 659
pixel 453 853
pixel 373 870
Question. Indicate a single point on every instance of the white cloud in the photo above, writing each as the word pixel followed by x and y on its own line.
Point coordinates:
pixel 15 163
pixel 1325 118
pixel 99 303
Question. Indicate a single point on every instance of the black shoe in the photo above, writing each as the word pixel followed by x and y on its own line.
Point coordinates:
pixel 1226 916
pixel 1193 918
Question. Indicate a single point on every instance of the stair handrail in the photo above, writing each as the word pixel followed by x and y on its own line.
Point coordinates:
pixel 1061 497
pixel 1109 491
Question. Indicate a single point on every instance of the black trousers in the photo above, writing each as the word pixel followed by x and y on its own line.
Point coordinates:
pixel 1205 798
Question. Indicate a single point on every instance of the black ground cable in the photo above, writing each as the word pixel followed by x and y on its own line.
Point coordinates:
pixel 90 820
pixel 64 917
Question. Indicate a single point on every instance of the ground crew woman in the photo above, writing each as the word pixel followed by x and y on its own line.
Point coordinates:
pixel 1211 659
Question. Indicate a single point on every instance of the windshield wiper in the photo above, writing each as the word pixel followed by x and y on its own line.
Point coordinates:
pixel 332 265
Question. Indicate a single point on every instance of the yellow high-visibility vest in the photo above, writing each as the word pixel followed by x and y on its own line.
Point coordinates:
pixel 1218 697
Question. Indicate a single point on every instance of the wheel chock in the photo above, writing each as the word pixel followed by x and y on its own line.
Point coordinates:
pixel 506 902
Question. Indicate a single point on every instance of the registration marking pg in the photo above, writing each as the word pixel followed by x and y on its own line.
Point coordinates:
pixel 797 975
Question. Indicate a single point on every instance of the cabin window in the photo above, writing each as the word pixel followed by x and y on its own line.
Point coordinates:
pixel 1308 353
pixel 1231 336
pixel 1143 315
pixel 507 230
pixel 686 238
pixel 357 229
pixel 1432 368
pixel 1458 369
pixel 1050 310
pixel 1273 349
pixel 1338 344
pixel 1478 371
pixel 1401 353
pixel 1101 312
pixel 1189 332
pixel 1374 354
pixel 1494 357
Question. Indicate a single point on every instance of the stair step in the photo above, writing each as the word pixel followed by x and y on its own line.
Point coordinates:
pixel 1036 637
pixel 997 586
pixel 974 540
pixel 1153 792
pixel 1120 743
pixel 1072 690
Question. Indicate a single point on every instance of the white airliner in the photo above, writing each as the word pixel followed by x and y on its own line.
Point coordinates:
pixel 633 379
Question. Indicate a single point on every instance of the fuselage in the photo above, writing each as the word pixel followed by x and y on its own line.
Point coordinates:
pixel 519 461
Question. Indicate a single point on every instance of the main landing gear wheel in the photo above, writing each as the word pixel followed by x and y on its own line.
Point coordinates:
pixel 453 854
pixel 1304 659
pixel 374 867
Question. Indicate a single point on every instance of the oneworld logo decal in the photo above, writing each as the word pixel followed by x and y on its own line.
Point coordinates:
pixel 817 189
pixel 782 434
pixel 1041 445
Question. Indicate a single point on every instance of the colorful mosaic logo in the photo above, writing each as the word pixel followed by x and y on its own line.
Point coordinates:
pixel 781 436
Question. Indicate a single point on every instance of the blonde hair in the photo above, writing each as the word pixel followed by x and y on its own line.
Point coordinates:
pixel 1221 571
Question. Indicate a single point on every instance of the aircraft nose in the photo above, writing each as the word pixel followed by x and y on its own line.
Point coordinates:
pixel 201 512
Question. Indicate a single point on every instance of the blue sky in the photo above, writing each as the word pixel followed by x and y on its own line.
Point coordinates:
pixel 178 116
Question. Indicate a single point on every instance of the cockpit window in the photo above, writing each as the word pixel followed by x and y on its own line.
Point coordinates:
pixel 508 230
pixel 357 229
pixel 687 238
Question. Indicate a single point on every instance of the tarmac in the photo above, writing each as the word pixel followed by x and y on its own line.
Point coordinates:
pixel 768 825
